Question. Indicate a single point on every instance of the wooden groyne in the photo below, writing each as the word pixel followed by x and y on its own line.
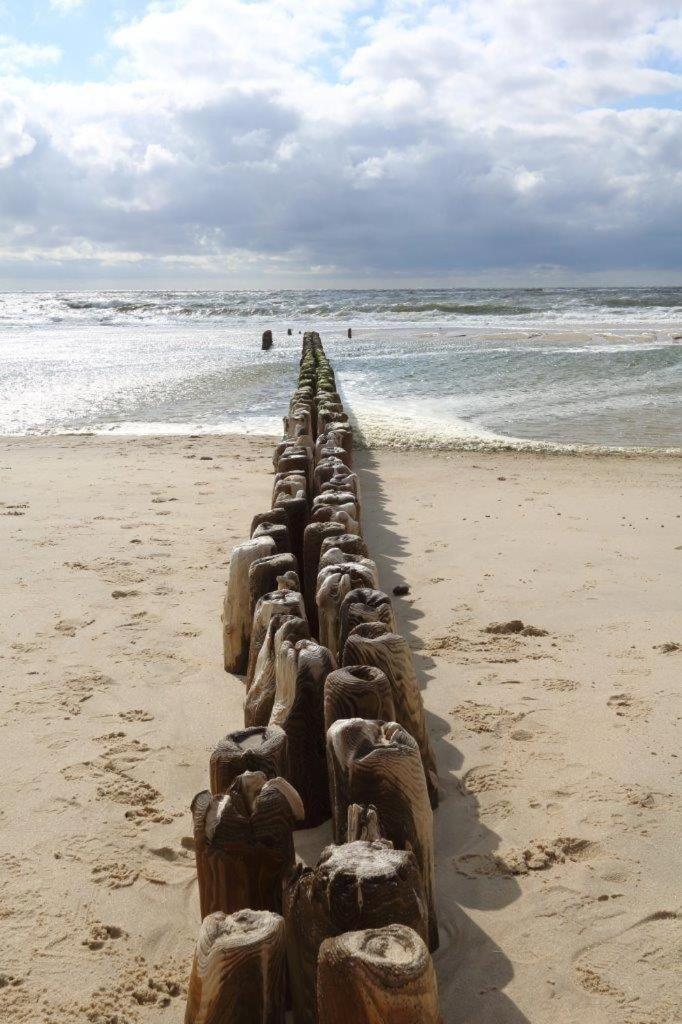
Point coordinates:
pixel 334 729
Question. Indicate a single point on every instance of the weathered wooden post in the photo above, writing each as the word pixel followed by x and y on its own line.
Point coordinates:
pixel 266 342
pixel 374 644
pixel 314 536
pixel 333 583
pixel 248 750
pixel 343 501
pixel 293 484
pixel 261 694
pixel 296 511
pixel 357 691
pixel 244 845
pixel 238 974
pixel 379 763
pixel 273 515
pixel 357 885
pixel 283 602
pixel 327 514
pixel 364 605
pixel 301 670
pixel 385 974
pixel 264 573
pixel 279 533
pixel 351 543
pixel 236 612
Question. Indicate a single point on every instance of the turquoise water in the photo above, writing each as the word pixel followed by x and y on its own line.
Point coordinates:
pixel 441 368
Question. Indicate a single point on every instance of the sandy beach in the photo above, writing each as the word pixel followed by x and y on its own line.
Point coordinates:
pixel 558 853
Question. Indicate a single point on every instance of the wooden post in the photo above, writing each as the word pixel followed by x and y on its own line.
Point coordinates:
pixel 325 470
pixel 350 332
pixel 266 343
pixel 314 536
pixel 261 694
pixel 264 573
pixel 236 612
pixel 373 644
pixel 333 583
pixel 238 973
pixel 248 750
pixel 293 484
pixel 335 556
pixel 342 480
pixel 298 423
pixel 351 543
pixel 273 515
pixel 326 514
pixel 296 510
pixel 379 763
pixel 357 691
pixel 278 532
pixel 364 605
pixel 336 440
pixel 301 670
pixel 244 845
pixel 357 885
pixel 344 501
pixel 385 974
pixel 284 602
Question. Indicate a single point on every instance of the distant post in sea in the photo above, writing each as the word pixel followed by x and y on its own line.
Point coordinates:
pixel 267 340
pixel 350 333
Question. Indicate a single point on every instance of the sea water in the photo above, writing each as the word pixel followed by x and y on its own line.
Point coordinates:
pixel 446 368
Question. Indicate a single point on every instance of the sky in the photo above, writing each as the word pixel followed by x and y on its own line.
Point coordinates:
pixel 322 143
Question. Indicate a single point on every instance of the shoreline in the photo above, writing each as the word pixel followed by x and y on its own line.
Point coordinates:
pixel 497 446
pixel 556 835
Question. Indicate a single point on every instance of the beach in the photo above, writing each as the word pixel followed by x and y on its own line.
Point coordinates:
pixel 557 836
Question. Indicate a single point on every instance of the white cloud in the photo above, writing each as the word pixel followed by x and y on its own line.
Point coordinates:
pixel 65 6
pixel 407 136
pixel 16 57
pixel 15 141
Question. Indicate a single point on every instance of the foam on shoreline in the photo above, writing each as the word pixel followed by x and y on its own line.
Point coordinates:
pixel 373 431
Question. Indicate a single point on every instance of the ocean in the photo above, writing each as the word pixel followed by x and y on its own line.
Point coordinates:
pixel 535 369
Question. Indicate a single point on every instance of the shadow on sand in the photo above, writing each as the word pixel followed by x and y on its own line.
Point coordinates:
pixel 472 970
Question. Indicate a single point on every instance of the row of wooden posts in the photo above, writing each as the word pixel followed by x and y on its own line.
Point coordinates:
pixel 334 728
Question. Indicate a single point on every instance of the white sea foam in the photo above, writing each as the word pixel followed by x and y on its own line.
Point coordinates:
pixel 379 428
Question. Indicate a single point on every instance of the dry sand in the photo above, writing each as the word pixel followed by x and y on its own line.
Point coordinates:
pixel 558 832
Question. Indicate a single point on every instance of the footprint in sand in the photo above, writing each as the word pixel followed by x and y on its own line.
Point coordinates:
pixel 76 690
pixel 13 510
pixel 115 875
pixel 117 572
pixel 10 980
pixel 627 706
pixel 69 627
pixel 485 778
pixel 560 685
pixel 636 969
pixel 112 772
pixel 100 934
pixel 482 718
pixel 136 715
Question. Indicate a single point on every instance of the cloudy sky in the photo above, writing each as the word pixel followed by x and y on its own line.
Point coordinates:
pixel 284 142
